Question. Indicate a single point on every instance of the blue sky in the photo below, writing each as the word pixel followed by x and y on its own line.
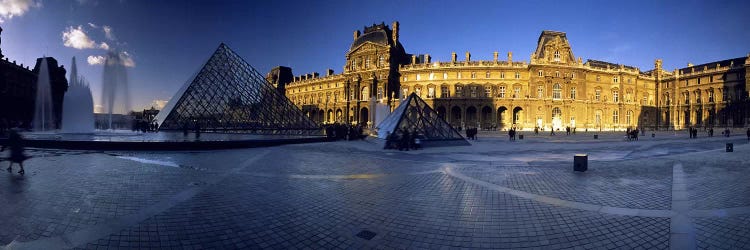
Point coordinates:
pixel 167 41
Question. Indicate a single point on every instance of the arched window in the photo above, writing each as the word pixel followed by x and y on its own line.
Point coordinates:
pixel 556 91
pixel 365 93
pixel 556 113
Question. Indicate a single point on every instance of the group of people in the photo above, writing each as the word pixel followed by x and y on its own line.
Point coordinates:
pixel 471 133
pixel 345 132
pixel 632 134
pixel 145 126
pixel 16 148
pixel 402 139
pixel 568 130
pixel 512 134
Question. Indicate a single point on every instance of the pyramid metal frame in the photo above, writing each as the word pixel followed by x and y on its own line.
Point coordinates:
pixel 228 95
pixel 415 114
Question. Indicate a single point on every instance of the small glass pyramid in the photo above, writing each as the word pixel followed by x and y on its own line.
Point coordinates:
pixel 413 114
pixel 228 95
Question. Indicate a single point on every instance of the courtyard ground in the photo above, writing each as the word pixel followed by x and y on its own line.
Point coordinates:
pixel 656 193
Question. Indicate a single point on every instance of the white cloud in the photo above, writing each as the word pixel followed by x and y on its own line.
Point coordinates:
pixel 75 37
pixel 104 46
pixel 95 60
pixel 157 104
pixel 13 8
pixel 92 25
pixel 108 33
pixel 127 59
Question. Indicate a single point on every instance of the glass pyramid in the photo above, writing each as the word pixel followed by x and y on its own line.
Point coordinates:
pixel 413 114
pixel 228 95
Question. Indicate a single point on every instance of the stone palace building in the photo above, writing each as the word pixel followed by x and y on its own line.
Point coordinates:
pixel 554 90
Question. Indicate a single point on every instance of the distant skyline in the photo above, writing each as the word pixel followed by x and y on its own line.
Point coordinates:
pixel 165 42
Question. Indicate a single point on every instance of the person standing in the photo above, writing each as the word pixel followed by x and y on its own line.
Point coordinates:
pixel 15 143
pixel 748 134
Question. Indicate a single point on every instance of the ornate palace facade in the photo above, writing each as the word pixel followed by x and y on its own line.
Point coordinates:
pixel 554 90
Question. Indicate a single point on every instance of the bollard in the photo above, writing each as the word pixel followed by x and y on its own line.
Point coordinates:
pixel 520 137
pixel 581 162
pixel 730 147
pixel 596 136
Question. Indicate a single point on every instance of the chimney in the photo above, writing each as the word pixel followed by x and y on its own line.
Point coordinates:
pixel 413 59
pixel 356 34
pixel 329 72
pixel 494 55
pixel 315 74
pixel 468 56
pixel 510 57
pixel 395 32
pixel 427 58
pixel 453 57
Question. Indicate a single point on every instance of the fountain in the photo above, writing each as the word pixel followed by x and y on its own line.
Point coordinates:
pixel 44 118
pixel 78 105
pixel 115 91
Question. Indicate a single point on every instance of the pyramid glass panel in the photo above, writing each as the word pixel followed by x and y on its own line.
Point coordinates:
pixel 228 95
pixel 415 115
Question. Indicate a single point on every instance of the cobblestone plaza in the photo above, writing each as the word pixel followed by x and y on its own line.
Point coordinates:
pixel 656 193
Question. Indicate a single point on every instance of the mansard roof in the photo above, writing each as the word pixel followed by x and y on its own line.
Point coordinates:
pixel 712 65
pixel 377 33
pixel 551 37
pixel 603 64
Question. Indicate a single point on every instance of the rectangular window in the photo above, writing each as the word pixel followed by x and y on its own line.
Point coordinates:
pixel 487 75
pixel 502 75
pixel 518 75
pixel 419 77
pixel 711 79
pixel 597 78
pixel 445 75
pixel 488 91
pixel 572 75
pixel 367 62
pixel 501 93
pixel 431 92
pixel 615 96
pixel 380 93
pixel 458 75
pixel 404 93
pixel 473 91
pixel 615 117
pixel 615 79
pixel 444 92
pixel 710 96
pixel 459 91
pixel 540 73
pixel 557 73
pixel 473 75
pixel 597 95
pixel 432 76
pixel 573 93
pixel 517 92
pixel 645 100
pixel 699 80
pixel 540 92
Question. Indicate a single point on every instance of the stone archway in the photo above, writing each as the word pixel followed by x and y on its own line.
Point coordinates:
pixel 501 117
pixel 456 117
pixel 364 116
pixel 486 117
pixel 441 112
pixel 471 117
pixel 517 115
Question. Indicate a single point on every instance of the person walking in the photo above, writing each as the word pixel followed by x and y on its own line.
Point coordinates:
pixel 15 143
